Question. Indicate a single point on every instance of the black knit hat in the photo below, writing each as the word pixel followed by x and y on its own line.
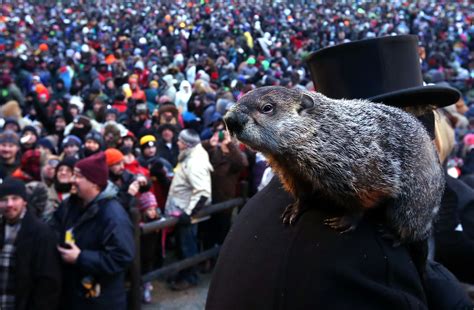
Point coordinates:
pixel 69 161
pixel 31 129
pixel 46 143
pixel 12 186
pixel 95 136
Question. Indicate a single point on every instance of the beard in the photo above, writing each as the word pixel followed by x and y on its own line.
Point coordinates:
pixel 114 177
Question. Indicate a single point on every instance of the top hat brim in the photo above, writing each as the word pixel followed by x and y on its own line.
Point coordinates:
pixel 437 96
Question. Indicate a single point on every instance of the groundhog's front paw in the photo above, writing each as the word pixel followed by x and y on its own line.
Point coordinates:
pixel 342 224
pixel 291 213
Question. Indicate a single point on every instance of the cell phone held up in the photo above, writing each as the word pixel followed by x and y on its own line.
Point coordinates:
pixel 68 239
pixel 65 245
pixel 221 135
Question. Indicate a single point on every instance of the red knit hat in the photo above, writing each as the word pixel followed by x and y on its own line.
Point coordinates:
pixel 113 156
pixel 94 168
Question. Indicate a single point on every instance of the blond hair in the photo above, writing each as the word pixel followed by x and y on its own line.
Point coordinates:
pixel 444 140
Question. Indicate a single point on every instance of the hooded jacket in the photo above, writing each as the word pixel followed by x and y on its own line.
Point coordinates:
pixel 104 233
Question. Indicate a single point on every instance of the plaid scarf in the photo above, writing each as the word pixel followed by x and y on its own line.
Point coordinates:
pixel 7 266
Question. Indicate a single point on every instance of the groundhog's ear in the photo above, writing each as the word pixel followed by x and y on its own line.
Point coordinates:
pixel 307 102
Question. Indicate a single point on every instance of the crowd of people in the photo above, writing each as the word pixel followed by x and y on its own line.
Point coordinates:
pixel 120 106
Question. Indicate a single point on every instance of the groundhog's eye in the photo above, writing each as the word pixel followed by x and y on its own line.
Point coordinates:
pixel 267 108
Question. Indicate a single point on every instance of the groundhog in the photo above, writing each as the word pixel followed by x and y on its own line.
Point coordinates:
pixel 358 154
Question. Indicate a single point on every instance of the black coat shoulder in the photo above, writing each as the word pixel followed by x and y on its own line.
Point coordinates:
pixel 308 265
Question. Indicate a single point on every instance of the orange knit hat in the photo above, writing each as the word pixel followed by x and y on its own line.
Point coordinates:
pixel 113 156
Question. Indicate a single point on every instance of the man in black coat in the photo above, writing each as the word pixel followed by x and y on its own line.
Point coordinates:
pixel 98 241
pixel 167 146
pixel 30 273
pixel 264 264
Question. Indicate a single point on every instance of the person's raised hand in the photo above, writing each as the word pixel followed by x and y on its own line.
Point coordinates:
pixel 214 141
pixel 133 188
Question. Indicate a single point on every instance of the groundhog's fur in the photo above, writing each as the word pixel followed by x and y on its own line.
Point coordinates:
pixel 357 153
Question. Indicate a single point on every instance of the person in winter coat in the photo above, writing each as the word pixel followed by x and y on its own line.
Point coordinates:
pixel 308 265
pixel 97 240
pixel 93 143
pixel 128 184
pixel 190 191
pixel 150 244
pixel 167 146
pixel 61 187
pixel 454 246
pixel 183 96
pixel 227 161
pixel 10 156
pixel 30 265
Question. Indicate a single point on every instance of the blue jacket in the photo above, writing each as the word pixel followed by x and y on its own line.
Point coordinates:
pixel 104 233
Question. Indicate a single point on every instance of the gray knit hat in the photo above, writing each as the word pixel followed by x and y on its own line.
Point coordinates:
pixel 189 137
pixel 9 136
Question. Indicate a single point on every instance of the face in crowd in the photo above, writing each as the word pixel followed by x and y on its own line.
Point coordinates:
pixel 8 151
pixel 49 169
pixel 150 150
pixel 167 135
pixel 64 174
pixel 117 169
pixel 151 213
pixel 71 149
pixel 84 188
pixel 12 207
pixel 181 145
pixel 128 142
pixel 60 124
pixel 92 145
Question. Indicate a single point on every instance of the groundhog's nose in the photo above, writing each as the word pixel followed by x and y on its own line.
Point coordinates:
pixel 235 122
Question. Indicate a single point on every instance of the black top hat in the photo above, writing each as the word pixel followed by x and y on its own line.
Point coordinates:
pixel 385 70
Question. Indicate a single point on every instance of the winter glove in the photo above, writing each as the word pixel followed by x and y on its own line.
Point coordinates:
pixel 184 219
pixel 199 205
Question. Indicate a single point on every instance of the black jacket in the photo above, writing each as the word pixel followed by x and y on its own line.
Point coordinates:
pixel 171 155
pixel 264 264
pixel 454 243
pixel 123 197
pixel 104 234
pixel 38 266
pixel 7 169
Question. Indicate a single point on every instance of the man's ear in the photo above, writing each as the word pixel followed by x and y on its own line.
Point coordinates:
pixel 307 102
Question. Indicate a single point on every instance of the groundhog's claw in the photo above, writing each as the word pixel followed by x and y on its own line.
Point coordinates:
pixel 342 224
pixel 291 213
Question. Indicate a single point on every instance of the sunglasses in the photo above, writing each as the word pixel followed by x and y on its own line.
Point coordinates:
pixel 53 163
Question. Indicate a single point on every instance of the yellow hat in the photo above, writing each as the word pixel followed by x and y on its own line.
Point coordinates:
pixel 146 139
